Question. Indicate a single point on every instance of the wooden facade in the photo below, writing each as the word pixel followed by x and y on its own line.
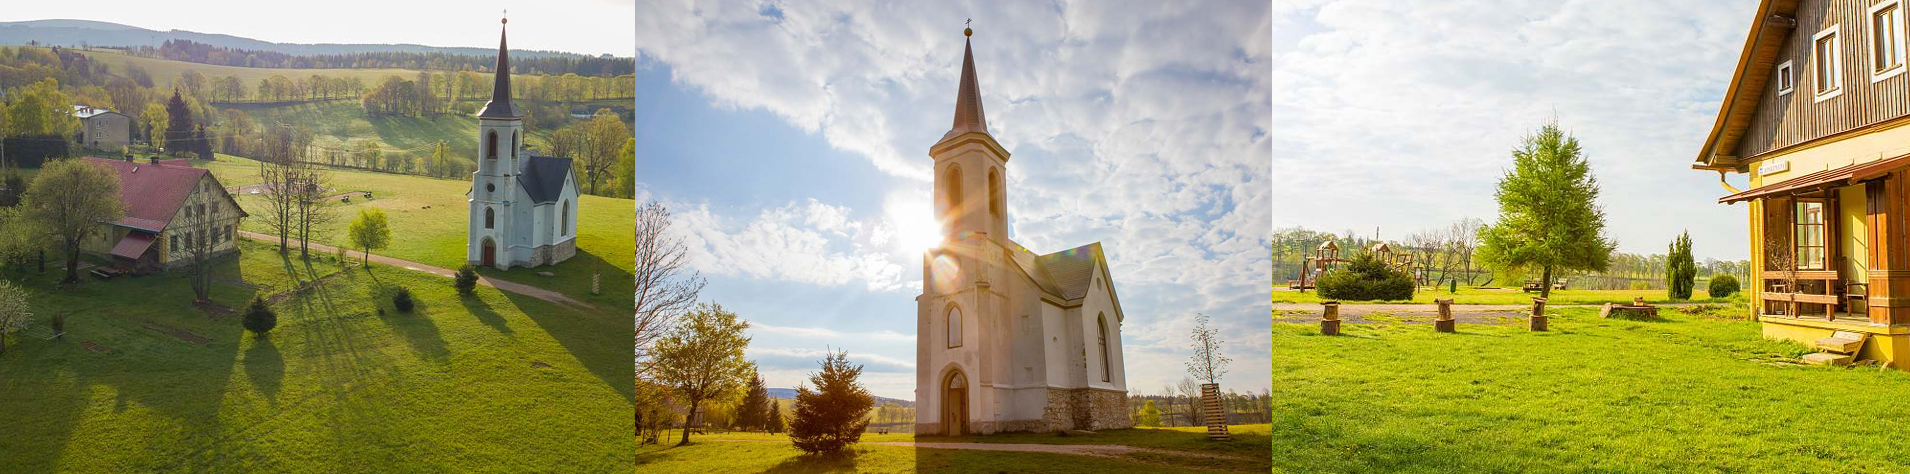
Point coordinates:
pixel 1780 121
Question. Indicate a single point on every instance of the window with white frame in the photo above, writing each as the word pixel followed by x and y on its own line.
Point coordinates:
pixel 1826 68
pixel 1886 40
pixel 1786 79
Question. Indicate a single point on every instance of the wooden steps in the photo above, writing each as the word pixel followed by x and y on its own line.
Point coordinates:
pixel 1838 349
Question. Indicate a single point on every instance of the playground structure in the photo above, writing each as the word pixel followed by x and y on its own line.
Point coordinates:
pixel 1327 257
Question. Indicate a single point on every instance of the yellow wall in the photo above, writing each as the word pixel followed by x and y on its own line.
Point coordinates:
pixel 1856 250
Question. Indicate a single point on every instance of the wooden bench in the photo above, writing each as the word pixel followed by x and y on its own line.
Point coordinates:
pixel 1827 292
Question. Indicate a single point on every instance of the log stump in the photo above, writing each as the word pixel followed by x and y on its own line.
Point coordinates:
pixel 1330 318
pixel 1538 314
pixel 1445 323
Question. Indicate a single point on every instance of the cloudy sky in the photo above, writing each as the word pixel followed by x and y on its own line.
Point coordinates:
pixel 576 26
pixel 1402 115
pixel 791 140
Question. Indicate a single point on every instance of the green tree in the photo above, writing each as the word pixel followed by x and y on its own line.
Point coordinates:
pixel 1681 272
pixel 624 174
pixel 701 357
pixel 1150 414
pixel 752 415
pixel 69 200
pixel 14 311
pixel 775 417
pixel 179 137
pixel 259 318
pixel 832 416
pixel 40 110
pixel 371 230
pixel 1549 217
pixel 150 122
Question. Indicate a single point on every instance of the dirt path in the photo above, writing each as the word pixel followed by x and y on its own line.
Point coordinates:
pixel 513 287
pixel 1102 450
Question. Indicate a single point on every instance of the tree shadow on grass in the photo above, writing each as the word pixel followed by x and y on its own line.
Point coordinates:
pixel 844 461
pixel 265 367
pixel 416 326
pixel 484 314
pixel 599 340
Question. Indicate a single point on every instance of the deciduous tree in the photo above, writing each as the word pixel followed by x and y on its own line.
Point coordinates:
pixel 14 311
pixel 701 357
pixel 371 230
pixel 72 200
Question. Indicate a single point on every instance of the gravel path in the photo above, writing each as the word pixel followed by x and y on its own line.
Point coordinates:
pixel 513 287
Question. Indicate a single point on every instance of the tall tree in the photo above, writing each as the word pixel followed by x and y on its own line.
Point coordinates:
pixel 604 137
pixel 1681 273
pixel 1549 217
pixel 151 123
pixel 178 125
pixel 71 200
pixel 833 415
pixel 313 211
pixel 701 358
pixel 775 417
pixel 752 414
pixel 666 286
pixel 199 232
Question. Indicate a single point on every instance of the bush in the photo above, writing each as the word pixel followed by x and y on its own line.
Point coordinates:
pixel 402 300
pixel 1365 278
pixel 259 318
pixel 466 280
pixel 1723 285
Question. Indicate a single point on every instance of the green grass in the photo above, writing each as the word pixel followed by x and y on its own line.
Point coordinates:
pixel 164 70
pixel 1515 296
pixel 756 452
pixel 436 236
pixel 494 382
pixel 1690 394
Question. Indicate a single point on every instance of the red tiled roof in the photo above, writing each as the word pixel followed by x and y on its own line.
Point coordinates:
pixel 152 193
pixel 133 245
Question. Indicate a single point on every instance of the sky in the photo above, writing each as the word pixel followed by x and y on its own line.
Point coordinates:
pixel 576 26
pixel 791 143
pixel 1403 115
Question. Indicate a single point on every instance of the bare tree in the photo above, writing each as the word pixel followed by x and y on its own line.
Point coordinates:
pixel 1207 364
pixel 1191 389
pixel 665 285
pixel 278 183
pixel 312 211
pixel 200 232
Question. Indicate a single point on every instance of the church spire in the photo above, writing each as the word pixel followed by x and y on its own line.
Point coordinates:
pixel 500 105
pixel 968 101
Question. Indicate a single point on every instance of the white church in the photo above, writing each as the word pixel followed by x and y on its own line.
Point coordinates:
pixel 1008 340
pixel 523 205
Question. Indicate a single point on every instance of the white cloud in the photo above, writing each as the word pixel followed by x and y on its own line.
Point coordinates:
pixel 1142 125
pixel 831 334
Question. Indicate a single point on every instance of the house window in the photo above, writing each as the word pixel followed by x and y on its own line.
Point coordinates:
pixel 1886 40
pixel 1106 370
pixel 1786 79
pixel 1810 235
pixel 1826 68
pixel 954 327
pixel 490 217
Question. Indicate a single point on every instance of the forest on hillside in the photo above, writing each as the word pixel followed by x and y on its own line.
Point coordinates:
pixel 189 51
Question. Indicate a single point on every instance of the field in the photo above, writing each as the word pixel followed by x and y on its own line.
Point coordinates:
pixel 428 218
pixel 164 70
pixel 1512 296
pixel 755 452
pixel 1693 393
pixel 144 382
pixel 340 124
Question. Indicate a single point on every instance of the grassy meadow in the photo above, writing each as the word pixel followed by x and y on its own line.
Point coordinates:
pixel 758 452
pixel 1692 393
pixel 1513 296
pixel 164 70
pixel 428 219
pixel 145 382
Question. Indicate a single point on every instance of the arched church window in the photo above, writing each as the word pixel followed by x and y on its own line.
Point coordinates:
pixel 490 217
pixel 954 326
pixel 952 191
pixel 490 147
pixel 994 192
pixel 1106 372
pixel 514 136
pixel 563 223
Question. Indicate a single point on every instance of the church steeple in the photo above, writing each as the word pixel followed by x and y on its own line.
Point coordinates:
pixel 500 105
pixel 968 100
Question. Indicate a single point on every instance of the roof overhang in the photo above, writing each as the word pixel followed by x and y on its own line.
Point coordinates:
pixel 1830 178
pixel 1773 24
pixel 133 245
pixel 966 138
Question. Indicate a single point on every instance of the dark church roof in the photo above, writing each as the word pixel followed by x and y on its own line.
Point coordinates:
pixel 500 105
pixel 1070 271
pixel 543 177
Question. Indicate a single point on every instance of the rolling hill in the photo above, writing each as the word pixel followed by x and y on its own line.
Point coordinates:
pixel 76 33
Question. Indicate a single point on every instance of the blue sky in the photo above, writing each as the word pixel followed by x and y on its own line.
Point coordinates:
pixel 791 142
pixel 1402 115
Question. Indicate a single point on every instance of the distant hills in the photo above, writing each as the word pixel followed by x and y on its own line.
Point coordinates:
pixel 790 394
pixel 77 33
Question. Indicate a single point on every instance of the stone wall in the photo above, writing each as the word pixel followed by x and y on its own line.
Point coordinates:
pixel 553 254
pixel 1083 409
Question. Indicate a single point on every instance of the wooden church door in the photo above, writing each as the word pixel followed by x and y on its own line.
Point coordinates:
pixel 955 411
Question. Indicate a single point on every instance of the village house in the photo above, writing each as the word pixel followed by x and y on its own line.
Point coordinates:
pixel 1818 115
pixel 169 204
pixel 1007 339
pixel 102 129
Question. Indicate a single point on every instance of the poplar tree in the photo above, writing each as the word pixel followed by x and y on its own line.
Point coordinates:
pixel 1549 217
pixel 1681 272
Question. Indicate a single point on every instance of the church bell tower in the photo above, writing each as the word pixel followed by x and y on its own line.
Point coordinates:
pixel 494 185
pixel 971 169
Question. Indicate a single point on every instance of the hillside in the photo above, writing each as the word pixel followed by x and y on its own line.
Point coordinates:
pixel 76 33
pixel 790 394
pixel 163 69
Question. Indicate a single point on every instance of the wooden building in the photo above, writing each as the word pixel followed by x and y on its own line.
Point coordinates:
pixel 169 206
pixel 1816 115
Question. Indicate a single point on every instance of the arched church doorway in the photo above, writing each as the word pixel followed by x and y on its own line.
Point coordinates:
pixel 955 405
pixel 488 255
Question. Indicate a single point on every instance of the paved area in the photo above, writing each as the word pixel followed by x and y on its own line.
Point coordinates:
pixel 513 287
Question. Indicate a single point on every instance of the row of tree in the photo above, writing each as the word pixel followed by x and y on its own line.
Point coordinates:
pixel 549 63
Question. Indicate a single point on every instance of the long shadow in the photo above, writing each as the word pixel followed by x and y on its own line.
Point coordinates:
pixel 416 326
pixel 599 340
pixel 265 367
pixel 484 314
pixel 844 461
